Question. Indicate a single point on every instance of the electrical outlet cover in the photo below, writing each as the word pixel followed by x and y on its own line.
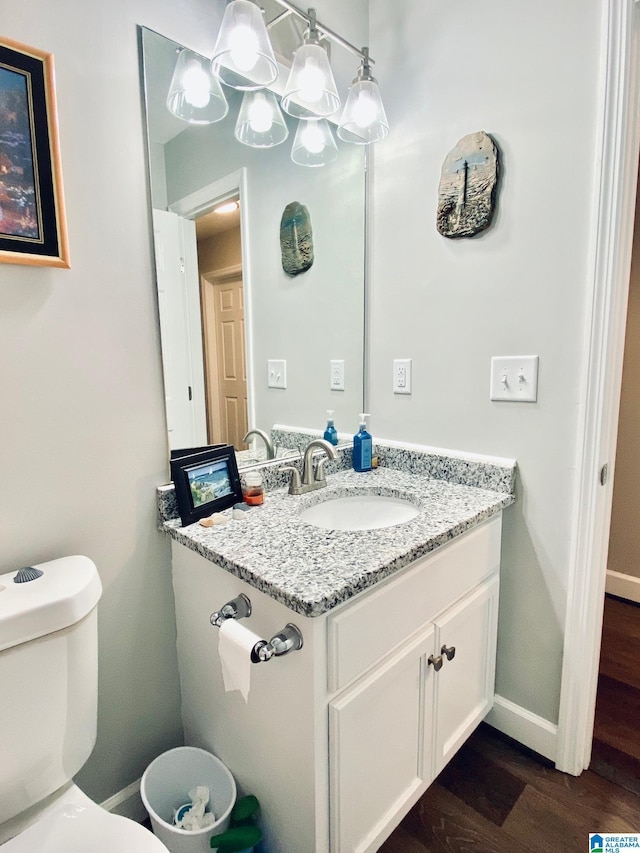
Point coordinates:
pixel 336 380
pixel 402 376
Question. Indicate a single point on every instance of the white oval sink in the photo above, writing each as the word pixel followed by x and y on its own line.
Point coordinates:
pixel 360 512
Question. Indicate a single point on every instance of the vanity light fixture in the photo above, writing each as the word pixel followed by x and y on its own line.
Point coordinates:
pixel 313 144
pixel 363 119
pixel 311 90
pixel 243 57
pixel 260 123
pixel 195 95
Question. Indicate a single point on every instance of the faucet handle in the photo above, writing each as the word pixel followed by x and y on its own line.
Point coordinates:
pixel 320 476
pixel 295 484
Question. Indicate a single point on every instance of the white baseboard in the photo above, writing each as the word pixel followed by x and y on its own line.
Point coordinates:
pixel 625 586
pixel 527 728
pixel 127 803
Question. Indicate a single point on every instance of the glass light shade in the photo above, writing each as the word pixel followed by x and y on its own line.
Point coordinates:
pixel 243 57
pixel 311 90
pixel 260 123
pixel 363 119
pixel 313 144
pixel 194 94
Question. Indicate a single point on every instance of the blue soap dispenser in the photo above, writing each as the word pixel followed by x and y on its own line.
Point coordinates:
pixel 362 447
pixel 330 433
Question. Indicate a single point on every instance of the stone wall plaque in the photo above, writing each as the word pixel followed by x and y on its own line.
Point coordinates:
pixel 467 191
pixel 296 239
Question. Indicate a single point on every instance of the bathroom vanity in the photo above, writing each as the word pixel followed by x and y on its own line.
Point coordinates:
pixel 339 739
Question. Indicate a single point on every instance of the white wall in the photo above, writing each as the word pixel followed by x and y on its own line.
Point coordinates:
pixel 526 73
pixel 82 425
pixel 83 429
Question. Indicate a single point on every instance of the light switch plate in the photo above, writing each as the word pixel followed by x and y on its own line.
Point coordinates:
pixel 276 373
pixel 514 378
pixel 336 380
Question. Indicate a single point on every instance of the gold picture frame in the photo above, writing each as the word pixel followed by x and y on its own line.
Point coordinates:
pixel 33 226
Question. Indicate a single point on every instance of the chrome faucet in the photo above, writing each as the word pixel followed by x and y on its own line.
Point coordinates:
pixel 311 479
pixel 271 451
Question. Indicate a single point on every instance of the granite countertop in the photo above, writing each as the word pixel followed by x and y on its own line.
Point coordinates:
pixel 311 569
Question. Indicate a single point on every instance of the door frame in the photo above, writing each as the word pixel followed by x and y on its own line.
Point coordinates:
pixel 610 262
pixel 202 201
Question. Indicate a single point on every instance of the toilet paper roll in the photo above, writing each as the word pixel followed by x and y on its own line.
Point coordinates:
pixel 234 646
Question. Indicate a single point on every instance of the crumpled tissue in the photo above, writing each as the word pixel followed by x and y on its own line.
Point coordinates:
pixel 194 816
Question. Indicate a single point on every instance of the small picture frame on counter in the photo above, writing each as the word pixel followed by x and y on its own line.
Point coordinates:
pixel 206 482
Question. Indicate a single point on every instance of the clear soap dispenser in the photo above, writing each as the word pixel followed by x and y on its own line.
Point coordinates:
pixel 330 433
pixel 362 447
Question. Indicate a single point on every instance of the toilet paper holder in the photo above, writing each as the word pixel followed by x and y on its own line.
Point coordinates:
pixel 289 639
pixel 238 608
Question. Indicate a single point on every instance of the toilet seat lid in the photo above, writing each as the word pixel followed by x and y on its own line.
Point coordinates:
pixel 78 829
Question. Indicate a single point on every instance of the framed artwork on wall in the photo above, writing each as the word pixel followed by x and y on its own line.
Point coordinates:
pixel 32 218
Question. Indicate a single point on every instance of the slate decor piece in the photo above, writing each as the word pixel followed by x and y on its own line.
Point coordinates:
pixel 296 239
pixel 467 191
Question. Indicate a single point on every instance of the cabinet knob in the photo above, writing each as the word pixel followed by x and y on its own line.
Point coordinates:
pixel 450 652
pixel 435 662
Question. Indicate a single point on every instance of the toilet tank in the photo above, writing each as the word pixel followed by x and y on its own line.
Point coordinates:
pixel 48 679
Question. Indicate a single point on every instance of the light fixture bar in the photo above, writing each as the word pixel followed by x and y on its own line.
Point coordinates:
pixel 281 17
pixel 324 30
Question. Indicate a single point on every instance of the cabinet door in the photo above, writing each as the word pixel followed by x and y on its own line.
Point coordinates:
pixel 376 747
pixel 464 687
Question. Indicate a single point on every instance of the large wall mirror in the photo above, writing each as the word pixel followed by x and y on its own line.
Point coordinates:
pixel 227 308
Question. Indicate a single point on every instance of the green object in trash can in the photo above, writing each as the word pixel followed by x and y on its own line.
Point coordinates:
pixel 236 839
pixel 243 834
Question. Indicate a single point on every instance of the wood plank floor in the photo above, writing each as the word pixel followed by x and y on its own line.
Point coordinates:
pixel 496 796
pixel 616 737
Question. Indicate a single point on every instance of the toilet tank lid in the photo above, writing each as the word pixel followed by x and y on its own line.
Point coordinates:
pixel 67 590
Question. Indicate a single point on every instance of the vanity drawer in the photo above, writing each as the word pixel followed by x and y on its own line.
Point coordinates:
pixel 361 633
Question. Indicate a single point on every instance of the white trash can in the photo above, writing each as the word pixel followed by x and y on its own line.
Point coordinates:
pixel 165 786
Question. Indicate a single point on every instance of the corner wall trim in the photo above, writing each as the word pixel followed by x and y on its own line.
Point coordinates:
pixel 617 152
pixel 527 728
pixel 127 803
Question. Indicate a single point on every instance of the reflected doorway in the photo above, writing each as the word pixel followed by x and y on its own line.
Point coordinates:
pixel 219 249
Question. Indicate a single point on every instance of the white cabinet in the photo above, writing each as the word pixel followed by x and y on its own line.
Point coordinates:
pixel 341 738
pixel 464 686
pixel 379 745
pixel 392 732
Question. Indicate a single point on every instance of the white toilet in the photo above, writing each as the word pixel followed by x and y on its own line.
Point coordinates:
pixel 48 715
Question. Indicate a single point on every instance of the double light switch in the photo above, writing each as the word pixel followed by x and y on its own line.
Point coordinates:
pixel 514 378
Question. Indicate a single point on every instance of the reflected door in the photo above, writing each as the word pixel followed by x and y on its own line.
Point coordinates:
pixel 225 362
pixel 179 310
